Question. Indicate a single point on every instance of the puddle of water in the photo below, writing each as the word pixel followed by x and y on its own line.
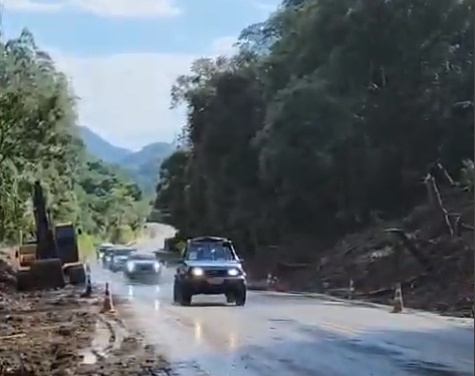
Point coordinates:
pixel 101 336
pixel 99 343
pixel 88 357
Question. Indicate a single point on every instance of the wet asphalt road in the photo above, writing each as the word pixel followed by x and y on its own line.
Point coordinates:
pixel 285 335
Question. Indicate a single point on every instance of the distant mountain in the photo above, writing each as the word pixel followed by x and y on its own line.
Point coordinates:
pixel 142 166
pixel 101 148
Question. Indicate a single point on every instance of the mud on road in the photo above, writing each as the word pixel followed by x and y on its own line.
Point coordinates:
pixel 40 332
pixel 57 333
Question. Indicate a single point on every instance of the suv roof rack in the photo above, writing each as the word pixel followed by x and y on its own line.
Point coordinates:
pixel 210 239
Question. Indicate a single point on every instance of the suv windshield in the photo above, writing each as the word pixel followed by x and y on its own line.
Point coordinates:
pixel 213 251
pixel 142 256
pixel 122 252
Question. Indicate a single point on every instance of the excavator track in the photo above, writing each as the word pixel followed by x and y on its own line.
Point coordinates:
pixel 47 274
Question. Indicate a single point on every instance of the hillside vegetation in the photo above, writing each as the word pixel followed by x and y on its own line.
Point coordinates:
pixel 38 140
pixel 143 165
pixel 101 148
pixel 325 122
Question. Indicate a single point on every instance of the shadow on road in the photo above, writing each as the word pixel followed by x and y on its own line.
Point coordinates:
pixel 209 304
pixel 141 283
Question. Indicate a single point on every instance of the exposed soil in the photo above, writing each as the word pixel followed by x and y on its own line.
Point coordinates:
pixel 122 352
pixel 443 282
pixel 59 333
pixel 41 333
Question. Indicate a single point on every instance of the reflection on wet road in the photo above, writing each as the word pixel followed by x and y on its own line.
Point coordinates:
pixel 285 335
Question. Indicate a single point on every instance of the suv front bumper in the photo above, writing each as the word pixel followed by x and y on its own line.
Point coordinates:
pixel 214 285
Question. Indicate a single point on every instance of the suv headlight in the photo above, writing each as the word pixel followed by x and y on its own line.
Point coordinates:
pixel 197 272
pixel 130 266
pixel 156 266
pixel 233 272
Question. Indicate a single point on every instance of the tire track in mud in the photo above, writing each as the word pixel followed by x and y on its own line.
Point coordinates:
pixel 106 338
pixel 116 350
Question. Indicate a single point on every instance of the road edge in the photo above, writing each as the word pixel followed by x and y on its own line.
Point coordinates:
pixel 362 303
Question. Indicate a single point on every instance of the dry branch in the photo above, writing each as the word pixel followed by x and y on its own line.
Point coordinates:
pixel 436 202
pixel 410 245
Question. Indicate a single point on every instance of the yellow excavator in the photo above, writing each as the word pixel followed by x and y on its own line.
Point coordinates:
pixel 52 259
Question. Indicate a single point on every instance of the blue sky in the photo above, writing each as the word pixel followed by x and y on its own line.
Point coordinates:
pixel 123 55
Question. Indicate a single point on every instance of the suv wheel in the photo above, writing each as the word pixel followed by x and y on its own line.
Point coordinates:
pixel 230 298
pixel 181 296
pixel 240 297
pixel 176 293
pixel 185 297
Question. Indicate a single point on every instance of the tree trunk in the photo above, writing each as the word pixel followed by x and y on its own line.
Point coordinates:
pixel 436 203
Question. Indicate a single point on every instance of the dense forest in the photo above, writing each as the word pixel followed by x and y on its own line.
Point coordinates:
pixel 326 120
pixel 39 140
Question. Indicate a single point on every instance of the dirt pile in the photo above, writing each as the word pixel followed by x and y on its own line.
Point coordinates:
pixel 59 333
pixel 41 333
pixel 435 267
pixel 131 357
pixel 433 259
pixel 7 277
pixel 117 349
pixel 55 333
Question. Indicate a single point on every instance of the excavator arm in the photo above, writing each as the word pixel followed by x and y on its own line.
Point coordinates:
pixel 45 269
pixel 45 239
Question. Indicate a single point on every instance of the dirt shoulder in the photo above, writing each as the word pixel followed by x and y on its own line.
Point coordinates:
pixel 42 333
pixel 60 333
pixel 117 349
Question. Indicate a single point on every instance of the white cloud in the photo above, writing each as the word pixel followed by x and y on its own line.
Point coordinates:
pixel 224 46
pixel 129 8
pixel 31 6
pixel 114 8
pixel 126 97
pixel 265 7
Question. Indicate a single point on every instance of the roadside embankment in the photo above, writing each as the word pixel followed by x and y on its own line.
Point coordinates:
pixel 62 333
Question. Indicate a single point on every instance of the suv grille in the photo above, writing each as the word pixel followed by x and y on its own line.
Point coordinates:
pixel 145 267
pixel 216 273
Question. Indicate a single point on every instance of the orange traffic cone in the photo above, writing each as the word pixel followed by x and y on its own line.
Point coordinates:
pixel 88 292
pixel 398 304
pixel 108 306
pixel 351 290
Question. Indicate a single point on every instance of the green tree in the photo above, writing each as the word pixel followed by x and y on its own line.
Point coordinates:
pixel 38 140
pixel 331 113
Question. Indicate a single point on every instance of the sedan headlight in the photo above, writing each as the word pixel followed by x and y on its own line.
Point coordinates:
pixel 130 266
pixel 197 272
pixel 233 272
pixel 156 266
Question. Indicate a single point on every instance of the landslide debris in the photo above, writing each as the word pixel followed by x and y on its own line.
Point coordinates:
pixel 57 333
pixel 132 357
pixel 435 267
pixel 41 333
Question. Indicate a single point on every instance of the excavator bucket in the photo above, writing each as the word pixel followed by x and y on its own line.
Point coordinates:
pixel 33 274
pixel 41 275
pixel 47 274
